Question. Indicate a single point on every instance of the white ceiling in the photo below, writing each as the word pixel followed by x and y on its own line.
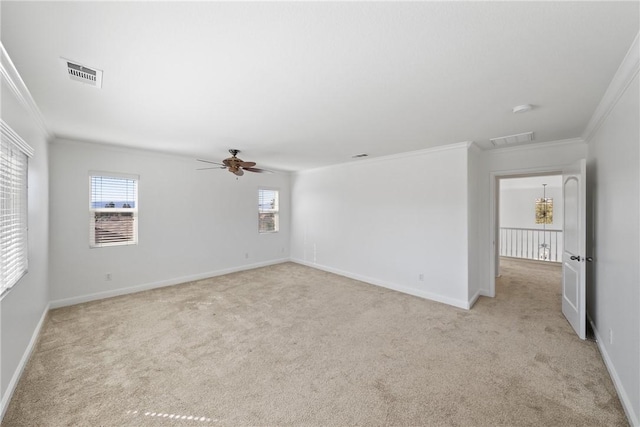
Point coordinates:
pixel 297 85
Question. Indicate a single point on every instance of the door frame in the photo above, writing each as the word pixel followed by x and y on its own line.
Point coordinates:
pixel 494 214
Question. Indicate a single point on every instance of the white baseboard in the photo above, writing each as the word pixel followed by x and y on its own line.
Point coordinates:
pixel 6 398
pixel 486 293
pixel 415 292
pixel 160 284
pixel 474 298
pixel 633 418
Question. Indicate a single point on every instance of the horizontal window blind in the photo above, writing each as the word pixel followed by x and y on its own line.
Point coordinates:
pixel 14 162
pixel 113 210
pixel 268 211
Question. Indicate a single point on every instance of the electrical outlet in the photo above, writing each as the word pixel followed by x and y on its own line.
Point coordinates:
pixel 107 277
pixel 421 277
pixel 246 255
pixel 610 336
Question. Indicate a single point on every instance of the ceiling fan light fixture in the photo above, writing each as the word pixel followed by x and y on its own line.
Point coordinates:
pixel 234 164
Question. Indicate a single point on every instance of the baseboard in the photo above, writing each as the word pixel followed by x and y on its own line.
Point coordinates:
pixel 6 398
pixel 622 394
pixel 395 287
pixel 486 293
pixel 533 261
pixel 474 299
pixel 160 284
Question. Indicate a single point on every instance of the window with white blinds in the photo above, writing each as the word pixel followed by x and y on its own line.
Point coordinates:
pixel 113 210
pixel 14 163
pixel 268 211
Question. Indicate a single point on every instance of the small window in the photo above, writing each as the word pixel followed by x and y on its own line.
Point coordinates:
pixel 14 161
pixel 268 211
pixel 113 210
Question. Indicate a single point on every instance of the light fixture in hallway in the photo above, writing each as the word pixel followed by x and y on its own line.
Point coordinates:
pixel 544 216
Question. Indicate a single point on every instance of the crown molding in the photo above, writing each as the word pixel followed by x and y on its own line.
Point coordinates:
pixel 395 156
pixel 625 74
pixel 473 146
pixel 15 139
pixel 13 80
pixel 71 141
pixel 535 146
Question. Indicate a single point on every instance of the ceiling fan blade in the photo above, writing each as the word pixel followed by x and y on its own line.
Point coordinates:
pixel 209 161
pixel 234 164
pixel 258 170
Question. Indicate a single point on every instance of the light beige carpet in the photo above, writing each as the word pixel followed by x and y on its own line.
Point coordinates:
pixel 290 345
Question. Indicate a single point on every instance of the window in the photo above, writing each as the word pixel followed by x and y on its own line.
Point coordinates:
pixel 268 221
pixel 14 154
pixel 113 210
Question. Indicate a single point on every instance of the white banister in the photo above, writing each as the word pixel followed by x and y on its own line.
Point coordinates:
pixel 531 243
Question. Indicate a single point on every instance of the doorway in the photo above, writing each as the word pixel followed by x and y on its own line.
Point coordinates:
pixel 529 243
pixel 529 219
pixel 532 189
pixel 574 256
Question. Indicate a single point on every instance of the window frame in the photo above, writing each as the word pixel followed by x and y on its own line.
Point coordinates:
pixel 275 211
pixel 14 193
pixel 133 211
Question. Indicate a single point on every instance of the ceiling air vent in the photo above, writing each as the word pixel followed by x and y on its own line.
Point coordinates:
pixel 82 74
pixel 512 139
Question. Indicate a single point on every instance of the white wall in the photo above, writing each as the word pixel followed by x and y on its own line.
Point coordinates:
pixel 388 220
pixel 192 224
pixel 23 308
pixel 518 197
pixel 473 186
pixel 613 294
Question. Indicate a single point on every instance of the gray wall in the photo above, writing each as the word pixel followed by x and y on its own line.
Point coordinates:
pixel 191 223
pixel 406 231
pixel 23 308
pixel 613 294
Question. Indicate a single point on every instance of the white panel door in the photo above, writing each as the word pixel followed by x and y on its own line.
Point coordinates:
pixel 574 256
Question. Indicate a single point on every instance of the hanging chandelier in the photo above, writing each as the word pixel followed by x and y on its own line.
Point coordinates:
pixel 543 215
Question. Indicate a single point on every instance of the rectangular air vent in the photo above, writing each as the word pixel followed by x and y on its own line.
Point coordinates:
pixel 512 139
pixel 83 74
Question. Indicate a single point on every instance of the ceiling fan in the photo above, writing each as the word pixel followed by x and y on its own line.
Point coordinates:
pixel 234 165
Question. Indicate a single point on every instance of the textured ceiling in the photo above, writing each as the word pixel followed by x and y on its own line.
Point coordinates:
pixel 306 84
